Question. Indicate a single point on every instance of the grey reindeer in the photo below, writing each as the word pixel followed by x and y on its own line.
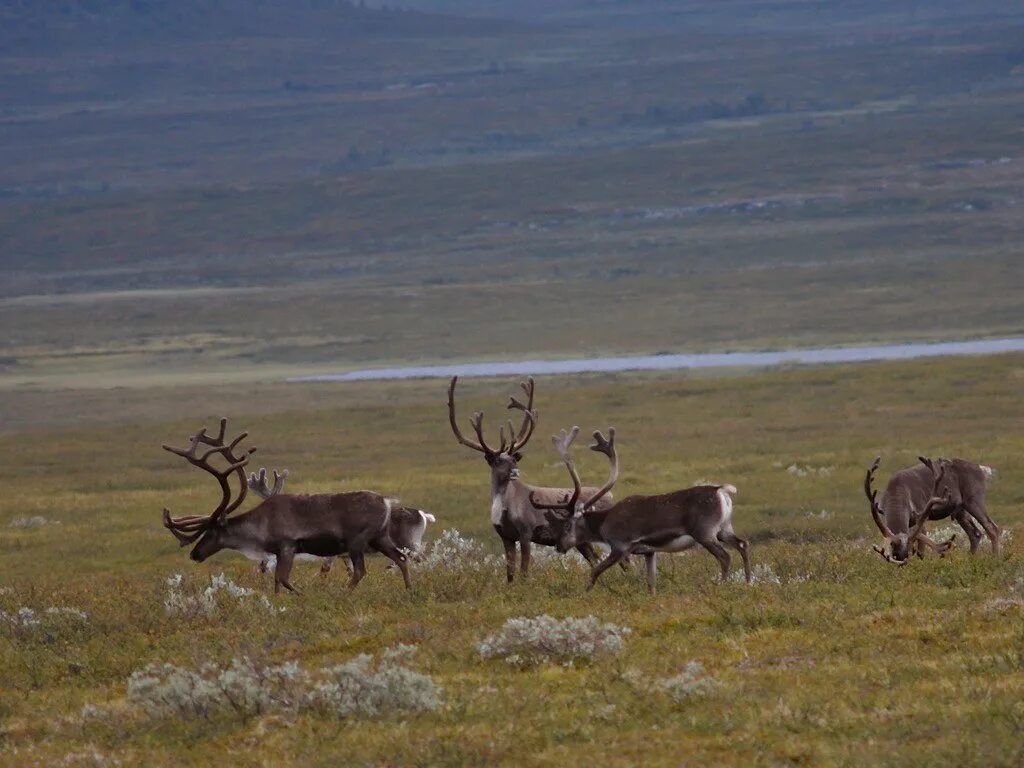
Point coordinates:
pixel 406 526
pixel 515 517
pixel 322 524
pixel 646 525
pixel 931 490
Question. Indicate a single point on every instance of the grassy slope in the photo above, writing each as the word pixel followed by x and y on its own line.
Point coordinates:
pixel 510 219
pixel 861 659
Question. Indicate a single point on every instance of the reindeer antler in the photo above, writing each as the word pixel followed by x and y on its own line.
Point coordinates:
pixel 529 416
pixel 258 483
pixel 607 447
pixel 515 441
pixel 563 443
pixel 876 511
pixel 188 529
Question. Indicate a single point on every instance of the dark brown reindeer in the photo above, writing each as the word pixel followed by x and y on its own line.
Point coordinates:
pixel 930 491
pixel 406 526
pixel 646 525
pixel 513 515
pixel 323 525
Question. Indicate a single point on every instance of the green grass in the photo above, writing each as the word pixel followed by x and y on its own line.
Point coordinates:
pixel 858 661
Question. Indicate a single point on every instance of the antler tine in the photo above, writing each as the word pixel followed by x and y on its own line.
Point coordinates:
pixel 527 427
pixel 563 442
pixel 607 447
pixel 876 511
pixel 258 483
pixel 455 426
pixel 219 439
pixel 185 536
pixel 477 422
pixel 886 556
pixel 529 415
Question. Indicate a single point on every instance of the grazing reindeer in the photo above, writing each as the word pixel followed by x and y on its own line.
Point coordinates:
pixel 667 522
pixel 949 488
pixel 406 525
pixel 513 514
pixel 323 525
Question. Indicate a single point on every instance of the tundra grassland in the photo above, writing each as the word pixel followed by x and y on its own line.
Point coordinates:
pixel 833 657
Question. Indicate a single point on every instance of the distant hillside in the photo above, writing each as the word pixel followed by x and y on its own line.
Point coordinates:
pixel 29 24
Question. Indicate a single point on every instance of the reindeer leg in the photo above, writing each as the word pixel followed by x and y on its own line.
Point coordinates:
pixel 974 533
pixel 525 545
pixel 651 561
pixel 977 510
pixel 711 545
pixel 587 550
pixel 740 545
pixel 394 554
pixel 614 557
pixel 285 558
pixel 510 559
pixel 358 568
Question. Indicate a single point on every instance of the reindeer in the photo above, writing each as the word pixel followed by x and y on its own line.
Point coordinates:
pixel 323 525
pixel 513 514
pixel 930 491
pixel 406 525
pixel 667 522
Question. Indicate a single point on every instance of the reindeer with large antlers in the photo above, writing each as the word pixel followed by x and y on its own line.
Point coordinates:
pixel 930 491
pixel 513 513
pixel 323 525
pixel 406 525
pixel 667 522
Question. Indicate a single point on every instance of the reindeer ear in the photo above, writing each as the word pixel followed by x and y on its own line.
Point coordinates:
pixel 551 517
pixel 517 456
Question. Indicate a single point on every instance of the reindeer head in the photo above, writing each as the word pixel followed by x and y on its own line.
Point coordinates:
pixel 899 542
pixel 504 462
pixel 210 531
pixel 566 517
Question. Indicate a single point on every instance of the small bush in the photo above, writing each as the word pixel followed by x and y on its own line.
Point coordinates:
pixel 452 550
pixel 692 682
pixel 208 601
pixel 363 686
pixel 526 642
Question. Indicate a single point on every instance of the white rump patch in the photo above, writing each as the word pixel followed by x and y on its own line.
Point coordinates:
pixel 427 517
pixel 989 472
pixel 726 501
pixel 497 508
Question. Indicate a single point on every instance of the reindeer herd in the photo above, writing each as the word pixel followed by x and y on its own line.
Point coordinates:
pixel 287 527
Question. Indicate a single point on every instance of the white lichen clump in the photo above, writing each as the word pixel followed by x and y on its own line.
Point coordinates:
pixel 549 557
pixel 30 619
pixel 692 682
pixel 452 550
pixel 527 642
pixel 808 471
pixel 1014 600
pixel 363 686
pixel 762 573
pixel 36 521
pixel 205 603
